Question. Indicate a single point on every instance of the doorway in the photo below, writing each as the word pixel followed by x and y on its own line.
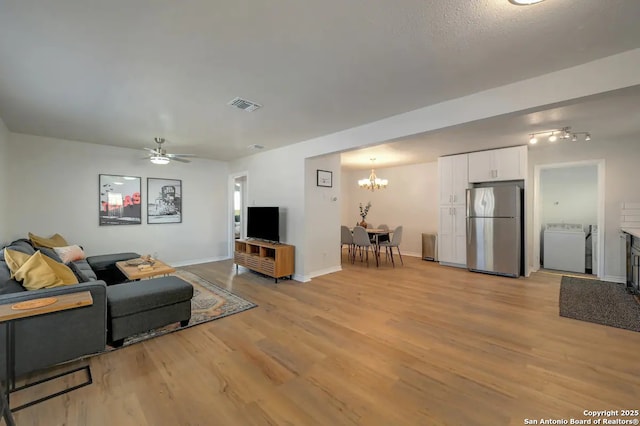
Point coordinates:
pixel 238 206
pixel 569 217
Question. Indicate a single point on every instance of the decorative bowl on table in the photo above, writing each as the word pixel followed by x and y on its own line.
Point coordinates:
pixel 143 260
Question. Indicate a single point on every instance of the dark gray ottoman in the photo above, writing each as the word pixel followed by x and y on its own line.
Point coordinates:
pixel 141 306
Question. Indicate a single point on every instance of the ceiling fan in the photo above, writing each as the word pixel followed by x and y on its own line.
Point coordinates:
pixel 160 155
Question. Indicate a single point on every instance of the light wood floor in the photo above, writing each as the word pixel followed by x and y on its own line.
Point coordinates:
pixel 421 344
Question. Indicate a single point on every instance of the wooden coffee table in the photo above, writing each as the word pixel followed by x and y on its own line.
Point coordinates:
pixel 133 273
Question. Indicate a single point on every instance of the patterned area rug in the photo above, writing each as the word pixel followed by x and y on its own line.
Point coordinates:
pixel 600 302
pixel 209 303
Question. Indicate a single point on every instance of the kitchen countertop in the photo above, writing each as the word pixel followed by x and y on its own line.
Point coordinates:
pixel 632 231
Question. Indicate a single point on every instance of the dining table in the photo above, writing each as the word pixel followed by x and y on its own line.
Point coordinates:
pixel 375 233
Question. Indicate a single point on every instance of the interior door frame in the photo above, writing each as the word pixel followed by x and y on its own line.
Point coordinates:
pixel 600 164
pixel 244 197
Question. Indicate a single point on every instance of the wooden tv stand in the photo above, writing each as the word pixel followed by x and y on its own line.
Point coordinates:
pixel 274 260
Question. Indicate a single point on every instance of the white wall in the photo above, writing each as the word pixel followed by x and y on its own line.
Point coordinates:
pixel 410 200
pixel 622 175
pixel 4 184
pixel 322 205
pixel 569 195
pixel 55 190
pixel 277 176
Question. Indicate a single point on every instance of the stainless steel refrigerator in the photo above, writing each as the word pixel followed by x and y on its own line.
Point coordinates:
pixel 494 230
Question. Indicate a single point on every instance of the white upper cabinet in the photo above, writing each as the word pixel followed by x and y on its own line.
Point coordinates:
pixel 453 177
pixel 498 164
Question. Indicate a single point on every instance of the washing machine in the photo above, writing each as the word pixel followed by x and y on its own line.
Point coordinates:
pixel 564 247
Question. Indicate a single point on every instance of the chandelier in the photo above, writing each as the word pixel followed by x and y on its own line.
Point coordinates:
pixel 555 134
pixel 373 182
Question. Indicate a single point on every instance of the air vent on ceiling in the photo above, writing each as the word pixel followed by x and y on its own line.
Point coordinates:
pixel 244 104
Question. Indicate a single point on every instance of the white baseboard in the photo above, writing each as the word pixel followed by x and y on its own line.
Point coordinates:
pixel 410 254
pixel 197 261
pixel 310 276
pixel 614 279
pixel 302 278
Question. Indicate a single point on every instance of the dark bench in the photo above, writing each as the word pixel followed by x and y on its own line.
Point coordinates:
pixel 141 306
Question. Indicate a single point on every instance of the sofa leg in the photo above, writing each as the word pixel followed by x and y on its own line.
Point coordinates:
pixel 117 343
pixel 184 323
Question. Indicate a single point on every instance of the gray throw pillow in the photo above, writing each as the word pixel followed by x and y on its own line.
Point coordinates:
pixel 82 271
pixel 50 253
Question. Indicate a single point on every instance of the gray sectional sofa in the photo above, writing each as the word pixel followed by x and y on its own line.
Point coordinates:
pixel 59 337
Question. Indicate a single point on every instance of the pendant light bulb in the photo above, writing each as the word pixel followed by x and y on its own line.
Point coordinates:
pixel 533 140
pixel 587 137
pixel 553 137
pixel 574 137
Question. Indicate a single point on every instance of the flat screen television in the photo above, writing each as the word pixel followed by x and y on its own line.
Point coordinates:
pixel 263 223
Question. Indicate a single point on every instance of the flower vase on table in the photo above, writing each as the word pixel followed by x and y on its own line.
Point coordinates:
pixel 364 210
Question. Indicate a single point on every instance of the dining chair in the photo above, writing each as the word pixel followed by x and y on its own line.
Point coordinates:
pixel 396 239
pixel 346 238
pixel 361 240
pixel 372 237
pixel 383 237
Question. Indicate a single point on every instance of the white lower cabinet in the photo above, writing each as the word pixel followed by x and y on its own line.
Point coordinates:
pixel 452 235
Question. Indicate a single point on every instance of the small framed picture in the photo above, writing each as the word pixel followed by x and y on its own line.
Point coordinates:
pixel 324 178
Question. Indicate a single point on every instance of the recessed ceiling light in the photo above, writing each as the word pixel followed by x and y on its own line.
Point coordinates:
pixel 524 2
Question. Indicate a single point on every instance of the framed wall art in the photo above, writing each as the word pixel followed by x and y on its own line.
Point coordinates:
pixel 324 178
pixel 164 200
pixel 120 200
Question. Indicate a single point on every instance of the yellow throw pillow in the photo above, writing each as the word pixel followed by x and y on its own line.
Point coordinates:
pixel 15 259
pixel 55 240
pixel 40 271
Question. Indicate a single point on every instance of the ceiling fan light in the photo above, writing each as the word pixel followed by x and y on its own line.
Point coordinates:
pixel 159 159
